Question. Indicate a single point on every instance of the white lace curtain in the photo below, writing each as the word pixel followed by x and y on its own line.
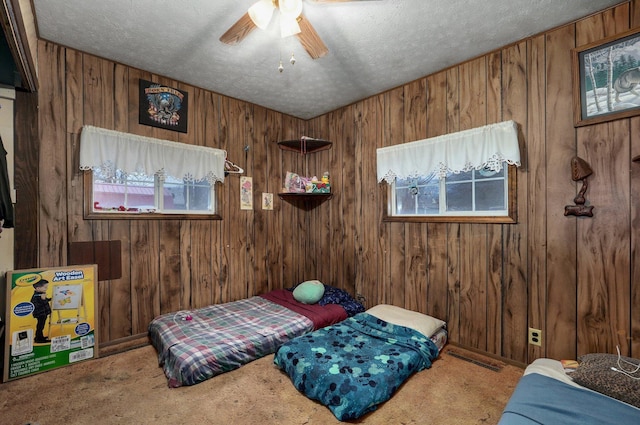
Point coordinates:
pixel 482 147
pixel 111 150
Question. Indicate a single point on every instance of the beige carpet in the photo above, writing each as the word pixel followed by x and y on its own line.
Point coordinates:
pixel 130 388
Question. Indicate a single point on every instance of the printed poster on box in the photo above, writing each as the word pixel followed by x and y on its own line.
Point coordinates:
pixel 51 319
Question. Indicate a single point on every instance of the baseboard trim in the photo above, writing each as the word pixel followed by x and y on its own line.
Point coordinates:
pixel 123 344
pixel 488 355
pixel 476 360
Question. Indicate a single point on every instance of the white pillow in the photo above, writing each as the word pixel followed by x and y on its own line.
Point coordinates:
pixel 422 323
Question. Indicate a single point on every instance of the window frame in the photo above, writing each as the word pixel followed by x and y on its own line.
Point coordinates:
pixel 89 212
pixel 510 218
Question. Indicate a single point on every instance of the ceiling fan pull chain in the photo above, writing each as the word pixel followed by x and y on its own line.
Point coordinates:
pixel 280 67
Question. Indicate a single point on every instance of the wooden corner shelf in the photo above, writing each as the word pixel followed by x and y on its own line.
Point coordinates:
pixel 306 201
pixel 305 145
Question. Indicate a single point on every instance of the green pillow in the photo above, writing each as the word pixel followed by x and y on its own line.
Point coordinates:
pixel 309 292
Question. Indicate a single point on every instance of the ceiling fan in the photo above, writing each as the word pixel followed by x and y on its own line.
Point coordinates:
pixel 292 22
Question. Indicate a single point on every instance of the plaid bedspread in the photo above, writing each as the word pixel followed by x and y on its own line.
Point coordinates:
pixel 221 337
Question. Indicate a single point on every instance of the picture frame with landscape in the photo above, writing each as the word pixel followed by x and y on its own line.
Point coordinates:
pixel 606 79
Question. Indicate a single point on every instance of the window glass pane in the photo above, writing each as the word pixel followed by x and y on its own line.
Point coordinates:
pixel 405 202
pixel 429 198
pixel 423 181
pixel 459 196
pixel 187 195
pixel 177 199
pixel 476 193
pixel 464 176
pixel 417 196
pixel 108 195
pixel 122 191
pixel 200 198
pixel 138 192
pixel 485 173
pixel 490 195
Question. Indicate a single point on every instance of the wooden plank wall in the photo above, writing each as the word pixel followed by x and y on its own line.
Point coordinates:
pixel 576 279
pixel 167 264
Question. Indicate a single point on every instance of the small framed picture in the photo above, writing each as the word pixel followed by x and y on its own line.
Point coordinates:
pixel 246 193
pixel 164 107
pixel 267 201
pixel 606 78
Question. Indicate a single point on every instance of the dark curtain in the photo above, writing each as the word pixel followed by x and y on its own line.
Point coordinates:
pixel 6 206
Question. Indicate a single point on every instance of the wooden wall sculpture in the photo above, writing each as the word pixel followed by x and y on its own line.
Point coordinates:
pixel 580 171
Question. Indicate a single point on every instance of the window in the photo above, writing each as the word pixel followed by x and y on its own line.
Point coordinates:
pixel 141 193
pixel 459 177
pixel 476 194
pixel 139 177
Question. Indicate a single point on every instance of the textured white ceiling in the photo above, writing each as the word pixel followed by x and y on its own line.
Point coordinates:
pixel 373 45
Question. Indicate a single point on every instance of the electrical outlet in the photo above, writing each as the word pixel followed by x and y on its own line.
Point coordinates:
pixel 535 337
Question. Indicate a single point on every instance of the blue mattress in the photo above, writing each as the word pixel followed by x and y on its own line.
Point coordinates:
pixel 539 399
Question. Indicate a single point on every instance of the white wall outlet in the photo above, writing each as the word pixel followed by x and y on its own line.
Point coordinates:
pixel 535 337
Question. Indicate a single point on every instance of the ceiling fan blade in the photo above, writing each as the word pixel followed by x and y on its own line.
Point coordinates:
pixel 239 30
pixel 310 39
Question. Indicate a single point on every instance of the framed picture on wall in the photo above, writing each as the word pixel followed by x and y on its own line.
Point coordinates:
pixel 162 106
pixel 606 79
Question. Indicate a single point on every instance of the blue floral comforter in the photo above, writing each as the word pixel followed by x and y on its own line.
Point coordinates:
pixel 354 365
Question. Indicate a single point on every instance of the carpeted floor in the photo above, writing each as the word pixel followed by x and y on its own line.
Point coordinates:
pixel 129 388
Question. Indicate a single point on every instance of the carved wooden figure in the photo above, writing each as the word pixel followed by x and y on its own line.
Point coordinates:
pixel 580 170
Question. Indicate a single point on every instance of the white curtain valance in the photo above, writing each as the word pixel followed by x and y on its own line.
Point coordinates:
pixel 483 147
pixel 111 150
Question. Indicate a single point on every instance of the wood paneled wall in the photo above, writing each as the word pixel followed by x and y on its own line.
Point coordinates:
pixel 577 279
pixel 574 278
pixel 168 264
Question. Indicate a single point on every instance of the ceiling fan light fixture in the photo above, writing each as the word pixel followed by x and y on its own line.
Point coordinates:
pixel 289 26
pixel 261 12
pixel 290 8
pixel 292 22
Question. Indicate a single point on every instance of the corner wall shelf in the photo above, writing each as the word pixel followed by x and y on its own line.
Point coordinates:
pixel 306 201
pixel 305 145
